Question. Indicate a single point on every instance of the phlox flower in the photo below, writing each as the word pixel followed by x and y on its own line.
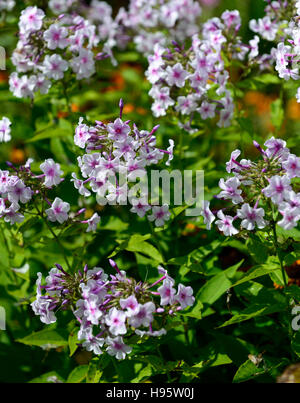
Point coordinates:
pixel 18 192
pixel 12 215
pixel 166 292
pixel 185 296
pixel 290 219
pixel 116 322
pixel 52 173
pixel 58 211
pixel 159 215
pixel 83 64
pixel 277 189
pixel 93 223
pixel 230 190
pixel 5 130
pixel 54 66
pixel 225 224
pixel 251 216
pixel 116 347
pixel 176 75
pixel 144 316
pixel 56 37
pixel 207 215
pixel 31 20
pixel 130 304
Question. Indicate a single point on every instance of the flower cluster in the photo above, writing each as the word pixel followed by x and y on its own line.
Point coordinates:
pixel 195 82
pixel 100 14
pixel 111 31
pixel 286 55
pixel 23 192
pixel 47 49
pixel 110 308
pixel 7 5
pixel 158 21
pixel 5 130
pixel 60 6
pixel 280 21
pixel 262 193
pixel 116 155
pixel 22 185
pixel 280 17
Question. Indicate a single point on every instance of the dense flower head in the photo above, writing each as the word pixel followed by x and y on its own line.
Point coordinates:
pixel 20 187
pixel 262 193
pixel 23 192
pixel 276 19
pixel 193 83
pixel 281 26
pixel 159 21
pixel 7 5
pixel 60 6
pixel 286 54
pixel 110 309
pixel 110 30
pixel 49 48
pixel 116 154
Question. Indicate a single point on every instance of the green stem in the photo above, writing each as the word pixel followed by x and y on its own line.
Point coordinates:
pixel 10 254
pixel 156 241
pixel 276 244
pixel 66 97
pixel 117 370
pixel 54 236
pixel 278 252
pixel 162 358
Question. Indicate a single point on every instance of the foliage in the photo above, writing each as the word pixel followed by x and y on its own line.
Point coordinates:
pixel 240 327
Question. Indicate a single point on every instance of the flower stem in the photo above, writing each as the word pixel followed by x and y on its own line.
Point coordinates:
pixel 278 252
pixel 54 236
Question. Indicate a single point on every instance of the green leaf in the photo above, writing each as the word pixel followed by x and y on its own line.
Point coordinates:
pixel 217 285
pixel 143 374
pixel 291 233
pixel 247 371
pixel 258 250
pixel 252 312
pixel 50 134
pixel 196 256
pixel 276 277
pixel 4 253
pixel 46 339
pixel 259 271
pixel 73 340
pixel 266 302
pixel 192 371
pixel 26 225
pixel 246 124
pixel 48 377
pixel 296 343
pixel 64 129
pixel 94 373
pixel 277 113
pixel 78 374
pixel 196 311
pixel 22 272
pixel 137 243
pixel 259 82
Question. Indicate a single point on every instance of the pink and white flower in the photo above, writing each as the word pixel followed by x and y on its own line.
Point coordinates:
pixel 52 173
pixel 58 211
pixel 159 215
